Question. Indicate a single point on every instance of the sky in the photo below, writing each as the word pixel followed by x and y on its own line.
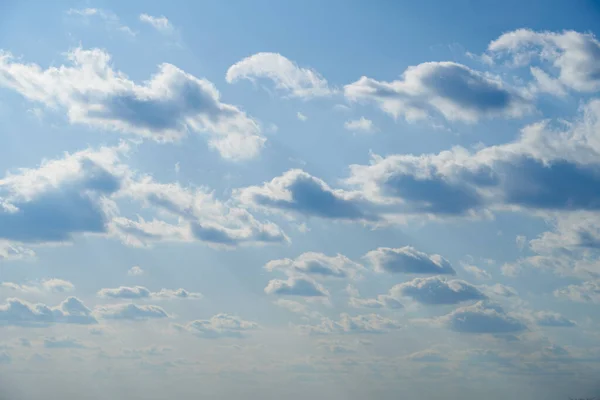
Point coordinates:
pixel 328 200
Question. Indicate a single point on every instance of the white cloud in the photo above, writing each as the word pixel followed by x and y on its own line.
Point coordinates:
pixel 161 23
pixel 53 285
pixel 140 292
pixel 477 272
pixel 317 265
pixel 288 77
pixel 360 125
pixel 220 326
pixel 301 193
pixel 21 313
pixel 381 301
pixel 111 20
pixel 296 286
pixel 451 90
pixel 12 251
pixel 135 271
pixel 576 57
pixel 165 108
pixel 435 290
pixel 130 312
pixel 408 260
pixel 301 116
pixel 481 318
pixel 586 292
pixel 368 323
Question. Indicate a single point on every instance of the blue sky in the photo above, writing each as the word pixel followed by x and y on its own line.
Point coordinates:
pixel 257 199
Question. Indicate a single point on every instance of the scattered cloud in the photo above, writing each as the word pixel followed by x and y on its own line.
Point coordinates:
pixel 135 271
pixel 299 192
pixel 140 292
pixel 161 23
pixel 288 77
pixel 317 265
pixel 21 313
pixel 220 326
pixel 296 286
pixel 451 90
pixel 130 312
pixel 110 19
pixel 164 108
pixel 360 125
pixel 435 290
pixel 481 318
pixel 477 272
pixel 301 116
pixel 575 56
pixel 408 260
pixel 368 323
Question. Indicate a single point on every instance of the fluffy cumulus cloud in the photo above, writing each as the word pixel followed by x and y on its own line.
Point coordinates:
pixel 131 312
pixel 481 318
pixel 60 198
pixel 367 323
pixel 435 290
pixel 135 271
pixel 301 193
pixel 140 292
pixel 164 108
pixel 288 77
pixel 296 286
pixel 408 260
pixel 21 313
pixel 317 265
pixel 220 326
pixel 451 90
pixel 548 167
pixel 574 55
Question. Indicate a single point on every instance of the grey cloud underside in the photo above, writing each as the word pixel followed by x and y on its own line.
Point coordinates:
pixel 482 318
pixel 20 313
pixel 57 213
pixel 131 312
pixel 436 291
pixel 308 196
pixel 408 260
pixel 451 90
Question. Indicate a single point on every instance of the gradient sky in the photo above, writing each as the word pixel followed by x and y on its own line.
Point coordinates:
pixel 313 199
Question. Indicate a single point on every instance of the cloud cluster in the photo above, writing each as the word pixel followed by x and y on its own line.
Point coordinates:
pixel 21 313
pixel 164 108
pixel 80 192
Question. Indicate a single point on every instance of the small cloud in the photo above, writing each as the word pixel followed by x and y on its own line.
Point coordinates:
pixel 301 116
pixel 135 271
pixel 521 241
pixel 360 125
pixel 477 272
pixel 161 24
